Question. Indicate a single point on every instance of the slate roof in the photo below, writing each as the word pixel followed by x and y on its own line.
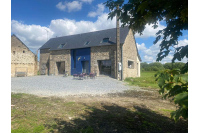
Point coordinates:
pixel 78 40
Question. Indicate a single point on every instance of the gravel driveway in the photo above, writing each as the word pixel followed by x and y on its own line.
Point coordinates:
pixel 64 86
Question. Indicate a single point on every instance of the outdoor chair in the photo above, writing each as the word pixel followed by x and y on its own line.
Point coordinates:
pixel 84 75
pixel 75 76
pixel 87 75
pixel 81 76
pixel 92 75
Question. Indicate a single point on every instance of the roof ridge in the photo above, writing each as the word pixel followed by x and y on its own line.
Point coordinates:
pixel 87 32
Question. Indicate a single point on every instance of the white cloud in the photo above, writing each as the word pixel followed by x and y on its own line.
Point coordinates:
pixel 99 11
pixel 61 6
pixel 62 27
pixel 148 59
pixel 70 6
pixel 87 1
pixel 149 31
pixel 141 47
pixel 34 36
pixel 150 54
pixel 182 42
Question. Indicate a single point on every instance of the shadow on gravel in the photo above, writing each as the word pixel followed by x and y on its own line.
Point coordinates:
pixel 116 119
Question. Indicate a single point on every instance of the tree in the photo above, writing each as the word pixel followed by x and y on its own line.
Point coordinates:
pixel 176 65
pixel 167 65
pixel 144 65
pixel 156 66
pixel 136 14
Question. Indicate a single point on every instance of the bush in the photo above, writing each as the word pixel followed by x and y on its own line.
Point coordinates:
pixel 176 65
pixel 172 86
pixel 157 66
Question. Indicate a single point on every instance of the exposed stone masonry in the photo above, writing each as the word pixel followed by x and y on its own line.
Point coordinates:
pixel 22 59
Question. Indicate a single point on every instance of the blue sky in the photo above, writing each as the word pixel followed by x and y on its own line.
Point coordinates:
pixel 36 21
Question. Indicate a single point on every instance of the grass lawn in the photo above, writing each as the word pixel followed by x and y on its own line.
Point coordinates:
pixel 147 80
pixel 132 111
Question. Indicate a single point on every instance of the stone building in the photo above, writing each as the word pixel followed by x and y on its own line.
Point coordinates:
pixel 23 61
pixel 93 52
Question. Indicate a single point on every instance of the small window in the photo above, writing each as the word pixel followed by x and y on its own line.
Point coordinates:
pixel 23 51
pixel 105 40
pixel 61 45
pixel 130 64
pixel 86 43
pixel 13 52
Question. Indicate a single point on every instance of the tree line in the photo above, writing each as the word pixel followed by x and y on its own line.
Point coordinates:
pixel 157 66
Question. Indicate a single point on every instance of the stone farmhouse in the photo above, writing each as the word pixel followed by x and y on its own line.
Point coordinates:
pixel 93 52
pixel 23 61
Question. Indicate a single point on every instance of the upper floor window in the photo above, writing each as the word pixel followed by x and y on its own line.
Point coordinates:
pixel 23 51
pixel 61 45
pixel 105 40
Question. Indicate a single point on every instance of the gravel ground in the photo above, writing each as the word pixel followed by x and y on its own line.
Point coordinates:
pixel 65 86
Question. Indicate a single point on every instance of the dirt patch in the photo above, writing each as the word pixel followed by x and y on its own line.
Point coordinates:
pixel 150 98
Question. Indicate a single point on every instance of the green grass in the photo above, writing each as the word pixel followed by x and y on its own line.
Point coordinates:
pixel 147 80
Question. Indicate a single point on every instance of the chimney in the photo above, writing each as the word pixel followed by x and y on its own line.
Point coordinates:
pixel 118 49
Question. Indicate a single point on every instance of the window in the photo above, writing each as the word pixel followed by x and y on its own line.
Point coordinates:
pixel 86 43
pixel 105 40
pixel 13 52
pixel 61 45
pixel 130 64
pixel 23 51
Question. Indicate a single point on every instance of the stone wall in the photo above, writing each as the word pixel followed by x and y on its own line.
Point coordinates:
pixel 130 54
pixel 103 53
pixel 22 59
pixel 60 56
pixel 44 61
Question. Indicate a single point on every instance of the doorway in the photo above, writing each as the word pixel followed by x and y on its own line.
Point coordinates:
pixel 60 67
pixel 104 67
pixel 85 66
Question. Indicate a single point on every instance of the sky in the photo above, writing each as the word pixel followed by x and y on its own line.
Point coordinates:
pixel 36 21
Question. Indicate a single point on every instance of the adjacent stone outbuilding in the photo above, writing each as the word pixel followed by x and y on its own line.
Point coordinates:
pixel 93 52
pixel 23 61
